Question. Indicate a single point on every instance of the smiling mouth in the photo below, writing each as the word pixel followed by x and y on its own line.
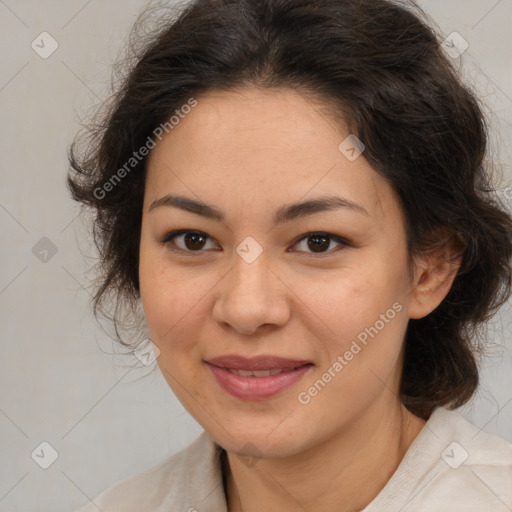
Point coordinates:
pixel 257 378
pixel 260 373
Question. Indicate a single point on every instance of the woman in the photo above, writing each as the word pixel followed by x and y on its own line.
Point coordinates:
pixel 296 194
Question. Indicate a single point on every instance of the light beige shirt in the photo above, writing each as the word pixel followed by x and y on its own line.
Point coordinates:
pixel 451 466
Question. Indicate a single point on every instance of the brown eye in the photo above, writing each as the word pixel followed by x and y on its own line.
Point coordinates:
pixel 186 240
pixel 320 242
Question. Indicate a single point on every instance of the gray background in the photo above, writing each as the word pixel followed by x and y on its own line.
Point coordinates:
pixel 59 381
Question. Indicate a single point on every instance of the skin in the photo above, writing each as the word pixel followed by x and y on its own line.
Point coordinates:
pixel 248 153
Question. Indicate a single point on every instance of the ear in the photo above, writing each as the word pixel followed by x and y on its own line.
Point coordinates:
pixel 434 272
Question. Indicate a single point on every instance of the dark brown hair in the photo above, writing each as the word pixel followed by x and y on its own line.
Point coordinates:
pixel 380 65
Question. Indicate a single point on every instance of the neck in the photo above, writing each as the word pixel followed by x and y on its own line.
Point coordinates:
pixel 344 473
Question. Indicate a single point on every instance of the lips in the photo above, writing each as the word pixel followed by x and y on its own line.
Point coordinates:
pixel 255 364
pixel 257 378
pixel 258 373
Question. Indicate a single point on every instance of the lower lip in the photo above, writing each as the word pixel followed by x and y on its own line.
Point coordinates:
pixel 257 388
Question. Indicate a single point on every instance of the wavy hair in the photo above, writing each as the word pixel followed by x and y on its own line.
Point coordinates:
pixel 383 70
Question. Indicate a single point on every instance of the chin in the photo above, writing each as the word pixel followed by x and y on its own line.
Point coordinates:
pixel 258 439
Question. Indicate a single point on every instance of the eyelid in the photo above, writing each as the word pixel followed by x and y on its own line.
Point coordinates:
pixel 169 237
pixel 334 238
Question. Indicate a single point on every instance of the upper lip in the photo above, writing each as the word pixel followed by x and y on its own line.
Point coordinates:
pixel 235 362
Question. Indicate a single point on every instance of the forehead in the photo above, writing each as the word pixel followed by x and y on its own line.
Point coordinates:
pixel 262 147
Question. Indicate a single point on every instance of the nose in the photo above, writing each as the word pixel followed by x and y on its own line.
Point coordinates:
pixel 251 297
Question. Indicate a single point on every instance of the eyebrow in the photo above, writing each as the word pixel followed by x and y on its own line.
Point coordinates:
pixel 283 214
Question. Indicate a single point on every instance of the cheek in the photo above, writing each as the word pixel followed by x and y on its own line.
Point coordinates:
pixel 363 316
pixel 352 299
pixel 173 298
pixel 161 293
pixel 360 351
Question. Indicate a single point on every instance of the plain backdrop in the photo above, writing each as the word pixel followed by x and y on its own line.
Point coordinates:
pixel 59 382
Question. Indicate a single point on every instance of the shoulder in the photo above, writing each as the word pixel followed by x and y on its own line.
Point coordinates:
pixel 475 467
pixel 451 466
pixel 471 446
pixel 182 482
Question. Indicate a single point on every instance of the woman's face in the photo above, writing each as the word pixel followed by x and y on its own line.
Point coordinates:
pixel 266 280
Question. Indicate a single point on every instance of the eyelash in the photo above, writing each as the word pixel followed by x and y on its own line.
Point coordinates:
pixel 169 239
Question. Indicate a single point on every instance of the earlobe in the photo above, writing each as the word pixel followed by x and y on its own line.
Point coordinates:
pixel 433 278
